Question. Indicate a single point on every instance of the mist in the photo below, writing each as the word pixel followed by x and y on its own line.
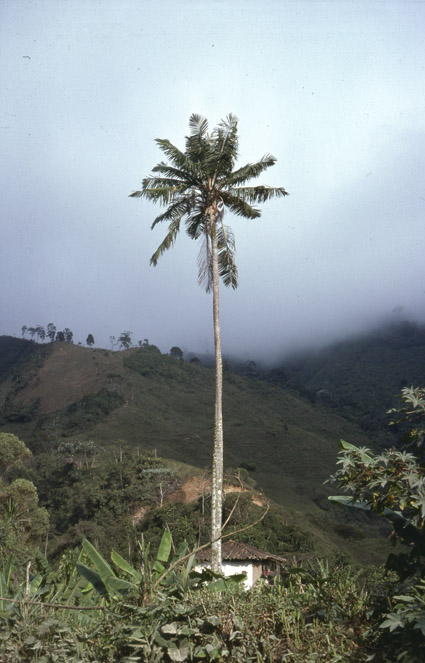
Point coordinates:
pixel 334 90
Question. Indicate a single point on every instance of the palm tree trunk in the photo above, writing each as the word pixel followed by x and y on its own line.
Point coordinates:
pixel 217 472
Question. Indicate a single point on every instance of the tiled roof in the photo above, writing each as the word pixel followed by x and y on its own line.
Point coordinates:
pixel 233 550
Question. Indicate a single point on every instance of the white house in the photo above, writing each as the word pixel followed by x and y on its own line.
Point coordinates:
pixel 241 557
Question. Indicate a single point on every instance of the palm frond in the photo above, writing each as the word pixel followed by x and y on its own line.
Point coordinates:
pixel 154 182
pixel 198 125
pixel 171 174
pixel 161 194
pixel 226 144
pixel 205 275
pixel 259 194
pixel 250 170
pixel 239 206
pixel 168 240
pixel 176 210
pixel 195 223
pixel 177 157
pixel 227 268
pixel 198 144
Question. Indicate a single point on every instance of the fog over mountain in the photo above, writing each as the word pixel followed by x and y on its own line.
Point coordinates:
pixel 334 90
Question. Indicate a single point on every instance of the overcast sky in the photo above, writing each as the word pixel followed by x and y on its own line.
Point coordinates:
pixel 334 90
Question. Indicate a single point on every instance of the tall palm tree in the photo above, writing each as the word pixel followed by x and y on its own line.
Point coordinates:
pixel 196 186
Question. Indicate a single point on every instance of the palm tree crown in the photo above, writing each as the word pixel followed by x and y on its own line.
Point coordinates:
pixel 198 184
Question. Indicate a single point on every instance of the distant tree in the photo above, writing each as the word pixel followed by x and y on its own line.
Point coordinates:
pixel 196 186
pixel 195 360
pixel 113 342
pixel 12 452
pixel 51 331
pixel 24 330
pixel 41 333
pixel 82 453
pixel 60 336
pixel 125 339
pixel 176 352
pixel 90 340
pixel 32 331
pixel 68 335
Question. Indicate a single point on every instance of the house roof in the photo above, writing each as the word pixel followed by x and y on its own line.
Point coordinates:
pixel 234 550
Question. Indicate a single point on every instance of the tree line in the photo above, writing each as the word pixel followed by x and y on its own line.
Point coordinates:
pixel 123 341
pixel 51 333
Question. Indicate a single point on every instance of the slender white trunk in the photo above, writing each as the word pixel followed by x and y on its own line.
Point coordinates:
pixel 217 472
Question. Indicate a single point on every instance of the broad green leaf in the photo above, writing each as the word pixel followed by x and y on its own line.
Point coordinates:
pixel 164 549
pixel 119 585
pixel 190 564
pixel 93 577
pixel 158 567
pixel 125 566
pixel 181 551
pixel 223 584
pixel 392 622
pixel 102 566
pixel 346 446
pixel 405 598
pixel 36 582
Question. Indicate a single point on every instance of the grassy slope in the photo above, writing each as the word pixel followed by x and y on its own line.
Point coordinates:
pixel 168 406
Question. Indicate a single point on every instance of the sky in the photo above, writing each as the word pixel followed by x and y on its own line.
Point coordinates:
pixel 335 90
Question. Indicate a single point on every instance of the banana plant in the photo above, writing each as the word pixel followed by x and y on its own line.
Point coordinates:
pixel 103 578
pixel 174 574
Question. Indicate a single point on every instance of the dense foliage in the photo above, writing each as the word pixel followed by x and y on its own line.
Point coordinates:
pixel 392 484
pixel 100 494
pixel 23 523
pixel 140 607
pixel 93 610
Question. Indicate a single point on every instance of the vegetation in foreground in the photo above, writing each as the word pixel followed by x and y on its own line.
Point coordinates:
pixel 90 610
pixel 162 609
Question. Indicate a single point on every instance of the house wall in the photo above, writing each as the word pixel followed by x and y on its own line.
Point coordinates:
pixel 257 570
pixel 233 568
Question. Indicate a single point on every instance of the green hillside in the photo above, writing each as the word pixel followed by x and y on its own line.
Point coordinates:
pixel 157 402
pixel 59 398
